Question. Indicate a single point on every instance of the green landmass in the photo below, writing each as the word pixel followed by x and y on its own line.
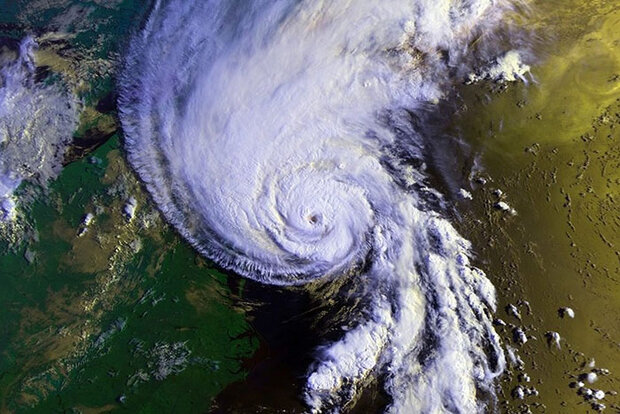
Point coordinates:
pixel 113 312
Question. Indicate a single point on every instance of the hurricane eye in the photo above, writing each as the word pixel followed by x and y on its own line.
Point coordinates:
pixel 314 219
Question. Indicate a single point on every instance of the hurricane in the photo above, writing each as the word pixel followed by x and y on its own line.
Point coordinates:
pixel 282 139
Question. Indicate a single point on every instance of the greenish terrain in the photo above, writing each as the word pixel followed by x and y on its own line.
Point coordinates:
pixel 119 313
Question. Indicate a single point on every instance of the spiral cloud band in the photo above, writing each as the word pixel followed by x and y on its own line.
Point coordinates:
pixel 269 134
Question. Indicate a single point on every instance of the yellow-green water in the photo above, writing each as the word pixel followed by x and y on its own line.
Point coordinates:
pixel 552 146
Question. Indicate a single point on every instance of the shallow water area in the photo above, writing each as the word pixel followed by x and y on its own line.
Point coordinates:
pixel 552 147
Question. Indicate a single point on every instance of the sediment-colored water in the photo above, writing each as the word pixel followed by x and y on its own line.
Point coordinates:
pixel 552 147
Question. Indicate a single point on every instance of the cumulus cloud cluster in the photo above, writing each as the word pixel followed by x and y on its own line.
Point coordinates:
pixel 37 121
